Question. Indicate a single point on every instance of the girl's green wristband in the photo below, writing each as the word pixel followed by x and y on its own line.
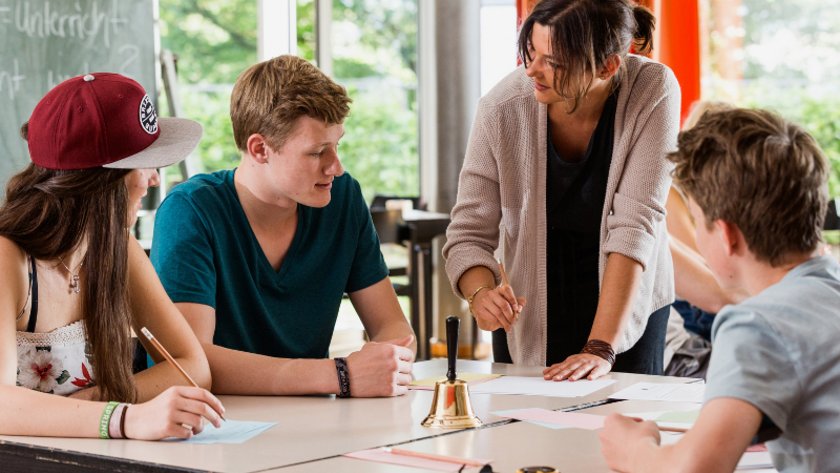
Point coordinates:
pixel 105 420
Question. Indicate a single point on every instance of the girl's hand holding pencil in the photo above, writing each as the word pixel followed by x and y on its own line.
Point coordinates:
pixel 178 412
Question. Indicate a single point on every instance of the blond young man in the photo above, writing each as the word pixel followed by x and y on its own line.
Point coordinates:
pixel 756 187
pixel 258 258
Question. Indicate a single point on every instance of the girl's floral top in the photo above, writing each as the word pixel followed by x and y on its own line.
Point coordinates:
pixel 56 362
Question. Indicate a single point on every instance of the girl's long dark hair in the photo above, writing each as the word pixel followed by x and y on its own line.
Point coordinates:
pixel 50 213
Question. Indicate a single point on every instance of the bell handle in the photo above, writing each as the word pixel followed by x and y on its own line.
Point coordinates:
pixel 452 325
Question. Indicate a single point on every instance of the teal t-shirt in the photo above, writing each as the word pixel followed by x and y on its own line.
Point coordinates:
pixel 206 253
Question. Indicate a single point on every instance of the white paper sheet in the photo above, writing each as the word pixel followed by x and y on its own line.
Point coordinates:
pixel 692 392
pixel 537 386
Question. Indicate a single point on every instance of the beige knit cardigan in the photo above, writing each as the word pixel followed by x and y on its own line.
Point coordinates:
pixel 501 197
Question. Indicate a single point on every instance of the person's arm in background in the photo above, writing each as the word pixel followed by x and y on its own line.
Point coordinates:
pixel 679 221
pixel 693 280
pixel 638 207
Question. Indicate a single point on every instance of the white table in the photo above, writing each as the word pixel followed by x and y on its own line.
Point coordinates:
pixel 313 428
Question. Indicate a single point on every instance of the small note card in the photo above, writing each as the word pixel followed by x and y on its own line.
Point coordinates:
pixel 231 431
pixel 663 392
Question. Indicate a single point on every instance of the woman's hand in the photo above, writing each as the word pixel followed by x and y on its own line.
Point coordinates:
pixel 496 308
pixel 577 367
pixel 177 412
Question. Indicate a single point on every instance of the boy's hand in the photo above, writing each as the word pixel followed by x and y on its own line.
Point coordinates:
pixel 620 437
pixel 381 369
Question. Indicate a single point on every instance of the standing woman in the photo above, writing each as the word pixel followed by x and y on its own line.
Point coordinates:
pixel 75 282
pixel 568 154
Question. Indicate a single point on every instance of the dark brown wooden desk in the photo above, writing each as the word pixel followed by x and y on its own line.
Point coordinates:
pixel 419 228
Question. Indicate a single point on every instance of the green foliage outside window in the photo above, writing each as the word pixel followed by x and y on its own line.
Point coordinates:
pixel 789 58
pixel 215 40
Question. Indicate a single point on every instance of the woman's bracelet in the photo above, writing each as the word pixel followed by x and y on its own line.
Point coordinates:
pixel 472 296
pixel 600 349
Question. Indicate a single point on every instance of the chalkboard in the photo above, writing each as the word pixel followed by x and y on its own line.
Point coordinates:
pixel 44 42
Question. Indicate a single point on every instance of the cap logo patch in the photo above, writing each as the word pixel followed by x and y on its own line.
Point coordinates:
pixel 148 116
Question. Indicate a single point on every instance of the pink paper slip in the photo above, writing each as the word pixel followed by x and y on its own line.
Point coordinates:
pixel 567 419
pixel 382 455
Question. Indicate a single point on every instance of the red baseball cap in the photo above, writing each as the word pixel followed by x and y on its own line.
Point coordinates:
pixel 108 120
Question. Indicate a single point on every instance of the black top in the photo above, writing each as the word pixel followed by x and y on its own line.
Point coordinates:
pixel 575 193
pixel 33 285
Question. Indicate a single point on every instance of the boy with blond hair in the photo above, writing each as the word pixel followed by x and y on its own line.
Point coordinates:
pixel 258 258
pixel 756 187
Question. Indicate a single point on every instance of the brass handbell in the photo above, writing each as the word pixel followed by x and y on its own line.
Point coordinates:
pixel 451 407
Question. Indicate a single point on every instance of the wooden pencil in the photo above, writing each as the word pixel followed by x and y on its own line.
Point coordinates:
pixel 506 282
pixel 165 353
pixel 433 456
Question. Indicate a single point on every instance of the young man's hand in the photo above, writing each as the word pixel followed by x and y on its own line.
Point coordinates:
pixel 381 369
pixel 621 436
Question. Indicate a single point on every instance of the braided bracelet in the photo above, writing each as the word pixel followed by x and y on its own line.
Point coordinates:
pixel 600 349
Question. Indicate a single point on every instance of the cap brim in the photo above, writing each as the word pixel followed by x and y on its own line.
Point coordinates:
pixel 178 138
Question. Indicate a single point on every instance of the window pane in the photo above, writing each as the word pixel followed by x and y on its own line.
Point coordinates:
pixel 374 49
pixel 214 41
pixel 498 42
pixel 306 38
pixel 780 55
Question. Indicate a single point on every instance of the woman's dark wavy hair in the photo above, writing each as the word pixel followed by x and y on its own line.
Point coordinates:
pixel 584 34
pixel 49 213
